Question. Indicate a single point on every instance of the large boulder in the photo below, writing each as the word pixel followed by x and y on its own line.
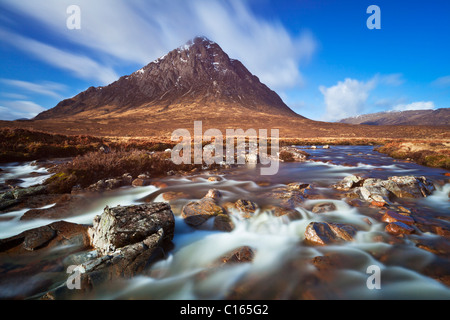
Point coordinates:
pixel 382 191
pixel 120 227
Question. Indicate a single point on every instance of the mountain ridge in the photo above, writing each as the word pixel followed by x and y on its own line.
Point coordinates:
pixel 436 117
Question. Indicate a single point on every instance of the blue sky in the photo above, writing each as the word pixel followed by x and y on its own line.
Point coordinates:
pixel 319 56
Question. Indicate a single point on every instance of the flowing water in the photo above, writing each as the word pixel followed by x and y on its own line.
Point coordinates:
pixel 282 264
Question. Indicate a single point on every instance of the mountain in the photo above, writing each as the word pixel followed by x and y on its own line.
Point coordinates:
pixel 198 78
pixel 439 117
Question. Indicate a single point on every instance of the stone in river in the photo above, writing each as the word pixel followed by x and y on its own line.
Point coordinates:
pixel 397 228
pixel 323 233
pixel 196 213
pixel 392 216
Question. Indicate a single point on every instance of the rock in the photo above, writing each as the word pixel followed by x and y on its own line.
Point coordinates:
pixel 240 255
pixel 13 182
pixel 196 213
pixel 379 204
pixel 323 233
pixel 66 206
pixel 213 194
pixel 409 186
pixel 326 147
pixel 55 234
pixel 397 228
pixel 290 214
pixel 349 182
pixel 324 207
pixel 140 182
pixel 172 195
pixel 120 227
pixel 104 149
pixel 298 186
pixel 392 216
pixel 296 155
pixel 246 207
pixel 380 191
pixel 20 193
pixel 111 184
pixel 223 222
pixel 214 179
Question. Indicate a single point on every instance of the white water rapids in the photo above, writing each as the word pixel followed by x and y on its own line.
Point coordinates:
pixel 282 264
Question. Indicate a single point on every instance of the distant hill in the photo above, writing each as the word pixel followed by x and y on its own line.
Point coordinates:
pixel 439 117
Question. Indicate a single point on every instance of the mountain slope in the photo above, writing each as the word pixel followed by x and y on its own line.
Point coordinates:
pixel 439 117
pixel 198 77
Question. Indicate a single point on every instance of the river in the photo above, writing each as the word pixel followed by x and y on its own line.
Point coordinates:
pixel 281 266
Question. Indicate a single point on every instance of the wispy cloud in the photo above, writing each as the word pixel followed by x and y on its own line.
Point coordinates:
pixel 50 89
pixel 442 82
pixel 79 65
pixel 13 110
pixel 140 31
pixel 419 105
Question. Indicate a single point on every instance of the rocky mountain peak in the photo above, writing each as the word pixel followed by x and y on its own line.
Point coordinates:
pixel 196 73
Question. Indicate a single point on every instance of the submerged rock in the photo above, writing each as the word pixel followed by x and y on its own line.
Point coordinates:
pixel 49 236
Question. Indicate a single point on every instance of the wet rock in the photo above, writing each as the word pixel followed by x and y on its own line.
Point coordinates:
pixel 111 184
pixel 409 186
pixel 214 179
pixel 246 207
pixel 139 182
pixel 213 194
pixel 392 216
pixel 381 191
pixel 55 234
pixel 66 206
pixel 324 207
pixel 323 233
pixel 196 213
pixel 13 182
pixel 21 193
pixel 397 228
pixel 290 214
pixel 173 195
pixel 240 255
pixel 223 222
pixel 349 182
pixel 120 227
pixel 296 155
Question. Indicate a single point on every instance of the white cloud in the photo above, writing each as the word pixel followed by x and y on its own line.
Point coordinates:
pixel 140 31
pixel 420 105
pixel 50 89
pixel 13 110
pixel 346 98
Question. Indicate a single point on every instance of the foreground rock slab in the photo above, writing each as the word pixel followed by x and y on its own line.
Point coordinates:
pixel 120 227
